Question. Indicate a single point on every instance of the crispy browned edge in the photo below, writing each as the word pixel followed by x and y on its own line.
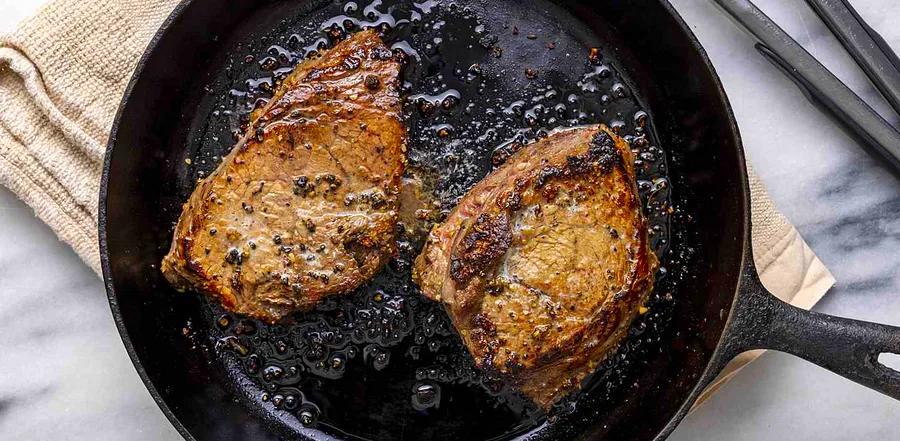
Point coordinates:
pixel 438 270
pixel 185 273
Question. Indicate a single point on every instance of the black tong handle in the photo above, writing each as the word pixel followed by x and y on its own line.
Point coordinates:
pixel 817 82
pixel 869 50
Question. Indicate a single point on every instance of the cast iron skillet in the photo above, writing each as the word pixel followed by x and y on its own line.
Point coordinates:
pixel 711 305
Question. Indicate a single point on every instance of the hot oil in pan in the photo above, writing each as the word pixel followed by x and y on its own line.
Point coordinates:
pixel 480 80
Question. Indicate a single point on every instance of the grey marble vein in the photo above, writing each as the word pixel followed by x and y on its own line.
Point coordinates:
pixel 64 373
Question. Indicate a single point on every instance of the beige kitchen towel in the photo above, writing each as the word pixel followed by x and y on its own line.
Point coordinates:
pixel 64 70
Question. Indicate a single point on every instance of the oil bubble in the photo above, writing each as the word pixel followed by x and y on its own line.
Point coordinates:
pixel 426 395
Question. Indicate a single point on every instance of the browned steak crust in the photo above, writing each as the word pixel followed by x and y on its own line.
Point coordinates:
pixel 305 205
pixel 544 263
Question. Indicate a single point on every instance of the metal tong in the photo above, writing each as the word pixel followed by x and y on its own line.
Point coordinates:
pixel 819 85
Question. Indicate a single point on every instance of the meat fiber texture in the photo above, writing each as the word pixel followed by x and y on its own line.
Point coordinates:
pixel 306 204
pixel 544 264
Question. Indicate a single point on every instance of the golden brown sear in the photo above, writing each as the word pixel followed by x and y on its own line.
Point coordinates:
pixel 544 264
pixel 305 205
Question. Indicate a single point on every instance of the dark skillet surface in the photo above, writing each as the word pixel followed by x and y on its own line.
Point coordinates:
pixel 358 352
pixel 174 337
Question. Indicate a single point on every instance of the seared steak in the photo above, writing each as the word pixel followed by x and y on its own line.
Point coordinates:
pixel 305 206
pixel 543 264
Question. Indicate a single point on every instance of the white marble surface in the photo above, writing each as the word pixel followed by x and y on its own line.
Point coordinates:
pixel 64 373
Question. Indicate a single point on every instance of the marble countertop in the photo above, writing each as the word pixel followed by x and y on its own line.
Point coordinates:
pixel 64 373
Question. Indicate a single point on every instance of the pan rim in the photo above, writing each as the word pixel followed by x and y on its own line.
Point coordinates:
pixel 713 366
pixel 108 281
pixel 716 363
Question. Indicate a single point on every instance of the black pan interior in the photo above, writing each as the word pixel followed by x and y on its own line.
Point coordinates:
pixel 383 363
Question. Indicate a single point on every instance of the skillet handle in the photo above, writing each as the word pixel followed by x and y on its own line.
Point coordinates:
pixel 849 348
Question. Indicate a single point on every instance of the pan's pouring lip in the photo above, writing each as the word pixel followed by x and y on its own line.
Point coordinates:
pixel 109 283
pixel 716 359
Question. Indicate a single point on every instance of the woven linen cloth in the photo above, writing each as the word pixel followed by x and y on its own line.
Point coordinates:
pixel 62 75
